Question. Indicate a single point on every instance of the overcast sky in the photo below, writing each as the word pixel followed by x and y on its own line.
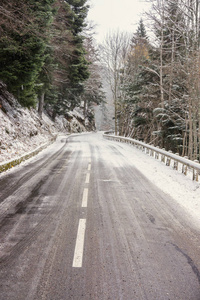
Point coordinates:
pixel 115 14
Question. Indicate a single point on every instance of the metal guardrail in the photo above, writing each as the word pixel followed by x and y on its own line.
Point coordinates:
pixel 165 156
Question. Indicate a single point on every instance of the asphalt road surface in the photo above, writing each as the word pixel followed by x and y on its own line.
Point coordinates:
pixel 79 221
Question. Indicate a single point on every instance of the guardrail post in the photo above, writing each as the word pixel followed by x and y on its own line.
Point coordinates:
pixel 184 167
pixel 157 154
pixel 195 172
pixel 168 159
pixel 163 156
pixel 176 163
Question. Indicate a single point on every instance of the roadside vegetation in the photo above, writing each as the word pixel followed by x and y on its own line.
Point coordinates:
pixel 154 77
pixel 48 60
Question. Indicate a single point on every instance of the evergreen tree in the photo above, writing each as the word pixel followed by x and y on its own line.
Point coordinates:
pixel 137 110
pixel 78 64
pixel 74 67
pixel 22 53
pixel 42 53
pixel 141 31
pixel 170 118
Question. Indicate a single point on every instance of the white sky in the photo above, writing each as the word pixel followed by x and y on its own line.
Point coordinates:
pixel 116 14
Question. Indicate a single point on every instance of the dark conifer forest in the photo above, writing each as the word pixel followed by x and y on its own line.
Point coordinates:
pixel 44 60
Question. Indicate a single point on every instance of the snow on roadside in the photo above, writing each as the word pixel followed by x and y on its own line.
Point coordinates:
pixel 22 133
pixel 181 188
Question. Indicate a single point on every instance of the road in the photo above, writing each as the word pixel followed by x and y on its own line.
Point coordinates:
pixel 79 221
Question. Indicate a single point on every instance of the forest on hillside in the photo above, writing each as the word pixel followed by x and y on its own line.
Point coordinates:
pixel 48 59
pixel 47 55
pixel 154 75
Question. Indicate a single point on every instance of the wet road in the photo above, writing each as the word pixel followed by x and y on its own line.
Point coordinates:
pixel 81 222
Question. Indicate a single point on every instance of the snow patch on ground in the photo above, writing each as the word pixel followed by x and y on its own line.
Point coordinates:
pixel 23 133
pixel 22 130
pixel 184 191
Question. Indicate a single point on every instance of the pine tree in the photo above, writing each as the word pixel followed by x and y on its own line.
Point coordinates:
pixel 137 110
pixel 22 53
pixel 74 67
pixel 78 69
pixel 141 30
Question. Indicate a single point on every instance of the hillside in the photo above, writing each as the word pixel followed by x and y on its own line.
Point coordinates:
pixel 22 130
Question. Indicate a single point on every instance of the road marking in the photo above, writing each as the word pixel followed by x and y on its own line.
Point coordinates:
pixel 78 253
pixel 87 180
pixel 85 197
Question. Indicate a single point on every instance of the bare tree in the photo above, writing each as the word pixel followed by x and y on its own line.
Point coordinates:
pixel 176 24
pixel 93 93
pixel 114 52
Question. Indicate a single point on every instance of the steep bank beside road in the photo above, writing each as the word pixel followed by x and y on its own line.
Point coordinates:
pixel 22 130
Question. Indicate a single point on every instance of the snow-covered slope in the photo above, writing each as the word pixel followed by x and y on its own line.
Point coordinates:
pixel 22 133
pixel 22 130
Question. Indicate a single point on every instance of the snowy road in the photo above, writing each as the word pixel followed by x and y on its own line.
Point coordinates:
pixel 80 221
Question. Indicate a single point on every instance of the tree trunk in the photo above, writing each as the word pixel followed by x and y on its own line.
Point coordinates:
pixel 85 109
pixel 41 104
pixel 161 63
pixel 190 146
pixel 54 114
